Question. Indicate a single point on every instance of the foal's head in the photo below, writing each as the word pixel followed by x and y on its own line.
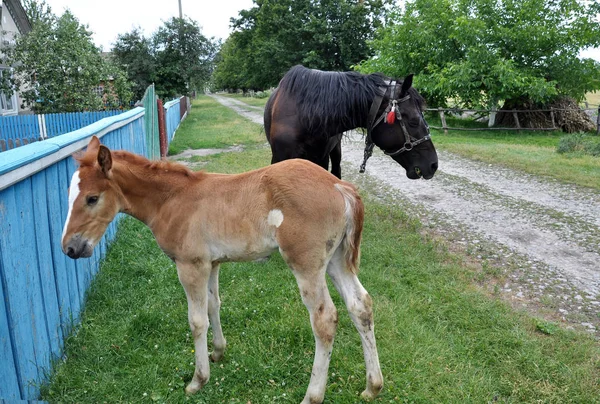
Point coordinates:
pixel 405 137
pixel 94 201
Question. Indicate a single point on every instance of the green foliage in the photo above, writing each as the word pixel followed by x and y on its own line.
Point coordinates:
pixel 177 58
pixel 57 67
pixel 273 36
pixel 133 52
pixel 481 52
pixel 579 143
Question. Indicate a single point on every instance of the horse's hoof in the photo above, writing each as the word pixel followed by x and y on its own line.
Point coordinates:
pixel 194 386
pixel 367 395
pixel 216 357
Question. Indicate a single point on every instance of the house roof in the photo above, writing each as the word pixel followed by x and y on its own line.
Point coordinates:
pixel 18 14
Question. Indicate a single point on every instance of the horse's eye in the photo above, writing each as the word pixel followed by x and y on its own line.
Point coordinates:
pixel 414 122
pixel 92 200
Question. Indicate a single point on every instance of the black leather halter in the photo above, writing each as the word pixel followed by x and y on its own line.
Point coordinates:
pixel 372 122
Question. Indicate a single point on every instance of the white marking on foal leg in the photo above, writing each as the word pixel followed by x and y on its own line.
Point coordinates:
pixel 73 194
pixel 360 308
pixel 275 218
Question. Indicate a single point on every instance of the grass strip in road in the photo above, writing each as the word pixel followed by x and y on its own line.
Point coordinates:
pixel 210 125
pixel 439 338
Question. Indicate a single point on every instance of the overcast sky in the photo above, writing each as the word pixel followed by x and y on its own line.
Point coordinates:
pixel 108 18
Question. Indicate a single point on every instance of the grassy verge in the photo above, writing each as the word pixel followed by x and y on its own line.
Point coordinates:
pixel 212 126
pixel 440 339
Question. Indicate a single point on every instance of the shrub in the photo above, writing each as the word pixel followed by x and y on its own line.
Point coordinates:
pixel 579 143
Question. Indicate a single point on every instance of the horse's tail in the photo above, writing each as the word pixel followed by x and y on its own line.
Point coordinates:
pixel 355 213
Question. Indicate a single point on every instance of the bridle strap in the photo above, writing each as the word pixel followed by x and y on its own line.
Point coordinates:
pixel 371 123
pixel 409 141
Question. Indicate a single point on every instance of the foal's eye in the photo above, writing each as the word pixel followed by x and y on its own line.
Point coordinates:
pixel 92 200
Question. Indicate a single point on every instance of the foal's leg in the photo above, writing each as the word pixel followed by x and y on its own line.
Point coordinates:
pixel 323 319
pixel 214 305
pixel 194 278
pixel 360 308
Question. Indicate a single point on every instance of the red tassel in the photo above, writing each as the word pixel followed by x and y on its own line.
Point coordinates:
pixel 391 117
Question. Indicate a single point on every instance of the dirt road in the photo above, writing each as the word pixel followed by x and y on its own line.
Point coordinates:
pixel 542 238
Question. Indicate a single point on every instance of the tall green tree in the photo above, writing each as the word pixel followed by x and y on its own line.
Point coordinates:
pixel 134 54
pixel 177 58
pixel 57 67
pixel 274 35
pixel 484 52
pixel 184 57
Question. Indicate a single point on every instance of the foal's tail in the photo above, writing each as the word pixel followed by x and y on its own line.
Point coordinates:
pixel 355 213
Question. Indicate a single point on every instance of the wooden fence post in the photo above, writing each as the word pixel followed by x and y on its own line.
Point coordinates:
pixel 443 118
pixel 552 117
pixel 516 116
pixel 598 121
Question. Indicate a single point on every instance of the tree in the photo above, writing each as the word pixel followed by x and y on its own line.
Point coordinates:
pixel 57 66
pixel 482 52
pixel 274 35
pixel 134 54
pixel 177 58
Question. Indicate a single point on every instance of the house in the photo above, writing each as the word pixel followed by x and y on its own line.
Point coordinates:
pixel 13 22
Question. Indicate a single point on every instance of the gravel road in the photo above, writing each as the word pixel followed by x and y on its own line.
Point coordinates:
pixel 540 237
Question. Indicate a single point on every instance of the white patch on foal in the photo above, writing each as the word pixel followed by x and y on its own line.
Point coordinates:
pixel 275 218
pixel 73 194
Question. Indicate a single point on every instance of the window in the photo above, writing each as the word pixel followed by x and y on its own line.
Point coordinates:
pixel 8 103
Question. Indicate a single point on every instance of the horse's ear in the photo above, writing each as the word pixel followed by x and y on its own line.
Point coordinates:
pixel 104 159
pixel 94 143
pixel 406 84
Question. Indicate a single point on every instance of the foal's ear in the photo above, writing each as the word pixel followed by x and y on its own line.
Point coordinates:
pixel 406 84
pixel 104 159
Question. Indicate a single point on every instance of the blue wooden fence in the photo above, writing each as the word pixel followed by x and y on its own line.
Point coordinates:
pixel 41 290
pixel 172 117
pixel 28 128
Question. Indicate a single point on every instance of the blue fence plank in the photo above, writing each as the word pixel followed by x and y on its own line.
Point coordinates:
pixel 55 221
pixel 9 387
pixel 21 286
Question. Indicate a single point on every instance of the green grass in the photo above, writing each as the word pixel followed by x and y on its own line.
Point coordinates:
pixel 533 153
pixel 212 126
pixel 440 339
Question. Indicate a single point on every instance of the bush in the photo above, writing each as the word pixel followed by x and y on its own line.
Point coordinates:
pixel 579 143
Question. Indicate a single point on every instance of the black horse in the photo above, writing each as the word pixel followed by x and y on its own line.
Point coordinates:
pixel 307 114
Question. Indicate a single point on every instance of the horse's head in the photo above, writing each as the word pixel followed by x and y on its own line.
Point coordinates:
pixel 94 201
pixel 401 131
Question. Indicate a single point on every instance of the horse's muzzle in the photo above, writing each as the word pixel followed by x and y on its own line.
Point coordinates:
pixel 78 247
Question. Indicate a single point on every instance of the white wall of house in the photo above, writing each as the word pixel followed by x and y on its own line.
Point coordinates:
pixel 9 105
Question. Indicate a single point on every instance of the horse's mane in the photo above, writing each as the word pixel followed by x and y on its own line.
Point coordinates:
pixel 334 99
pixel 89 159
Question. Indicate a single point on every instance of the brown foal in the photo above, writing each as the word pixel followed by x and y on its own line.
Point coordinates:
pixel 202 219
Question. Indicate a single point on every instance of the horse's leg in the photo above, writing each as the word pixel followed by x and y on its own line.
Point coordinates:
pixel 214 305
pixel 194 278
pixel 308 264
pixel 360 308
pixel 323 319
pixel 336 158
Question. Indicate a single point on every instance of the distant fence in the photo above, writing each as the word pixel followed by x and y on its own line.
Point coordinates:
pixel 514 113
pixel 175 112
pixel 19 130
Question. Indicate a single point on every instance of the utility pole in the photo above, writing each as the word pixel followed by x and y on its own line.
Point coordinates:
pixel 180 12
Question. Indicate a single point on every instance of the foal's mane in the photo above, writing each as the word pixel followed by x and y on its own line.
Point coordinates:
pixel 341 99
pixel 133 160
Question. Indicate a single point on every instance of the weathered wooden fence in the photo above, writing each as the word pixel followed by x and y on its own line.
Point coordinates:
pixel 19 130
pixel 41 290
pixel 151 122
pixel 515 115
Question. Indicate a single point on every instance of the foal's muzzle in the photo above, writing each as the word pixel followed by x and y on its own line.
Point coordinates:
pixel 78 247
